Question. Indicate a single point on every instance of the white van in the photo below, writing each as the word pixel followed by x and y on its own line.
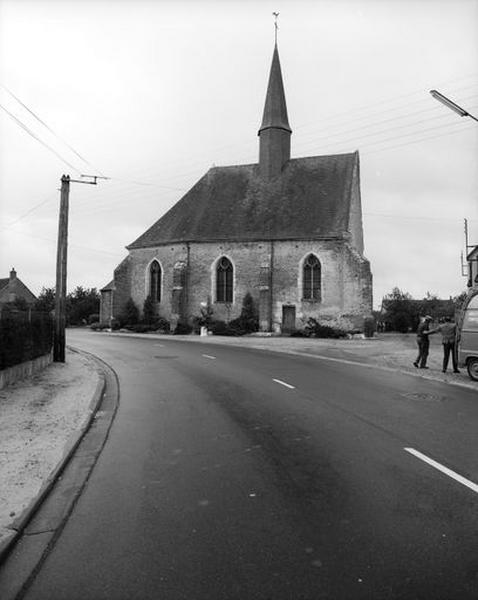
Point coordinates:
pixel 468 336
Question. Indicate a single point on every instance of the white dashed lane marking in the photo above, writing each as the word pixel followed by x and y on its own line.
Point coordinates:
pixel 208 356
pixel 443 469
pixel 287 385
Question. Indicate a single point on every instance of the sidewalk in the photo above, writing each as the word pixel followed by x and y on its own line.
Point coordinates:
pixel 41 416
pixel 39 420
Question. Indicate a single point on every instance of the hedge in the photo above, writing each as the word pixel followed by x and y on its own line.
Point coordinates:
pixel 24 336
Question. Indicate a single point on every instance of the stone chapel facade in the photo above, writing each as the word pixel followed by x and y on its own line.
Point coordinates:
pixel 288 231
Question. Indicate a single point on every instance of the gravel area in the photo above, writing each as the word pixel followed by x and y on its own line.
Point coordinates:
pixel 37 418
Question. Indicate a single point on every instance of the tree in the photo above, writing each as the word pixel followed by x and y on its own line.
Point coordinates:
pixel 400 313
pixel 45 301
pixel 248 320
pixel 130 315
pixel 80 304
pixel 149 313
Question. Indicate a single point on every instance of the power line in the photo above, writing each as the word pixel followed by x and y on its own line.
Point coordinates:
pixel 49 199
pixel 372 106
pixel 30 132
pixel 50 129
pixel 87 248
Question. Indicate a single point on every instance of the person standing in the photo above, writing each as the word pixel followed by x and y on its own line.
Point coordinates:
pixel 448 334
pixel 423 343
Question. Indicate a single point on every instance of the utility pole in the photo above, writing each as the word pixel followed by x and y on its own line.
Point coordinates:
pixel 61 264
pixel 60 290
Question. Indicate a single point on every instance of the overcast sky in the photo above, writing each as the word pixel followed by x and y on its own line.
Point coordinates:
pixel 153 93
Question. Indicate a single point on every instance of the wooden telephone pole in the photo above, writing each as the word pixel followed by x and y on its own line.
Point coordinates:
pixel 61 256
pixel 60 290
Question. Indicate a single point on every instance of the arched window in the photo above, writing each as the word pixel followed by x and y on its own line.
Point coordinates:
pixel 311 278
pixel 224 280
pixel 155 281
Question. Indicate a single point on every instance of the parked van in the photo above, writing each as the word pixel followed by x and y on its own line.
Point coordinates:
pixel 468 336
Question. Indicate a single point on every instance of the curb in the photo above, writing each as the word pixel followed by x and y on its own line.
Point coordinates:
pixel 20 523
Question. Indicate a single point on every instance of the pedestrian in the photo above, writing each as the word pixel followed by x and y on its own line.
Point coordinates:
pixel 448 334
pixel 423 343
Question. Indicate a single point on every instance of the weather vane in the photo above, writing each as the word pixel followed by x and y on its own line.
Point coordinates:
pixel 275 25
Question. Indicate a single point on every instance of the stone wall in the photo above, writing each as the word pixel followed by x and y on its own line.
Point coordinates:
pixel 106 306
pixel 270 271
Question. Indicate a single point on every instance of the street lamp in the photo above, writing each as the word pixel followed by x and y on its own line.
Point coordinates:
pixel 463 113
pixel 450 104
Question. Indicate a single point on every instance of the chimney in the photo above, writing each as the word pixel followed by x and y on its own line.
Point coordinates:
pixel 13 274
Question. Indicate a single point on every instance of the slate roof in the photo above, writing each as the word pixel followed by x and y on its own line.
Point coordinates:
pixel 4 282
pixel 311 198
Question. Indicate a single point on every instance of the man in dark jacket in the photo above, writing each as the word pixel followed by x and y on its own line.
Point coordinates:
pixel 448 334
pixel 423 343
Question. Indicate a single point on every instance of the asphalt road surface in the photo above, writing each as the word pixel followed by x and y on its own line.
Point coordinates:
pixel 231 473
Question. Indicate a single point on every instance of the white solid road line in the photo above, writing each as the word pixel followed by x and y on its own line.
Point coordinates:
pixel 208 356
pixel 287 385
pixel 443 469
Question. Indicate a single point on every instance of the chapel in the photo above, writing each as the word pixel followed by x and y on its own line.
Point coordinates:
pixel 286 230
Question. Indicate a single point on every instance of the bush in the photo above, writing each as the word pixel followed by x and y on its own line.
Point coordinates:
pixel 369 327
pixel 24 336
pixel 149 313
pixel 248 320
pixel 94 318
pixel 139 328
pixel 130 314
pixel 99 326
pixel 161 324
pixel 223 328
pixel 183 329
pixel 314 329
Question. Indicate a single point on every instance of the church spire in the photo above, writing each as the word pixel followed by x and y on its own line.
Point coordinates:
pixel 274 133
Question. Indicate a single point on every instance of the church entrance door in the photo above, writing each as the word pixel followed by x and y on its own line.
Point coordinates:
pixel 288 318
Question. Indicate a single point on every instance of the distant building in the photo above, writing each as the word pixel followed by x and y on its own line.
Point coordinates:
pixel 288 231
pixel 12 288
pixel 472 260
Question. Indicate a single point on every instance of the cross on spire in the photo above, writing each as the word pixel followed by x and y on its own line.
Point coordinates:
pixel 276 14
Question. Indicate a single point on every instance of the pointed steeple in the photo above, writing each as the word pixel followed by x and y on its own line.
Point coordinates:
pixel 274 133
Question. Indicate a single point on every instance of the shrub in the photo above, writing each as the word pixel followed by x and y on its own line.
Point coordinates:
pixel 24 336
pixel 139 328
pixel 223 328
pixel 314 329
pixel 115 324
pixel 218 327
pixel 149 312
pixel 99 326
pixel 183 329
pixel 161 324
pixel 369 327
pixel 94 318
pixel 130 314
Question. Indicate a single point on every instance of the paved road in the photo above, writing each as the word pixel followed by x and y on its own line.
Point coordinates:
pixel 240 474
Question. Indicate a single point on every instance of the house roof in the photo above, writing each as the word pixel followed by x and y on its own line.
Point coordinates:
pixel 4 282
pixel 311 199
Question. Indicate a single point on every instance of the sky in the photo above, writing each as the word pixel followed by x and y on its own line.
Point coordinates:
pixel 152 93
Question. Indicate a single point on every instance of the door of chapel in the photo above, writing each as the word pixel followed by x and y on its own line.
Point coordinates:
pixel 288 318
